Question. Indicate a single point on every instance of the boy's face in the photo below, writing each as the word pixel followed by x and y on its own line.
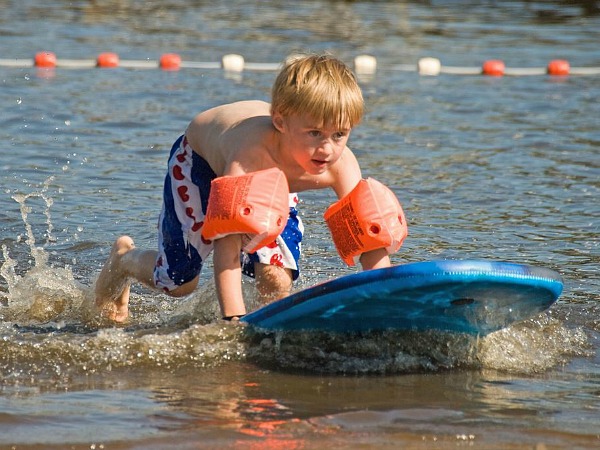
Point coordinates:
pixel 312 145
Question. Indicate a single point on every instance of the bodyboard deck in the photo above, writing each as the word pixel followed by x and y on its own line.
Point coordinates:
pixel 465 296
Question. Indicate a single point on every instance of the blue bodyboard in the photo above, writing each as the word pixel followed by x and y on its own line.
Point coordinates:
pixel 466 296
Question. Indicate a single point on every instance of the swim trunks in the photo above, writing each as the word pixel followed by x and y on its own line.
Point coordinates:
pixel 181 249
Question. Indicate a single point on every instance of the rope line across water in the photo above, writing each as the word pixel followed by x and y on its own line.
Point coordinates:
pixel 363 65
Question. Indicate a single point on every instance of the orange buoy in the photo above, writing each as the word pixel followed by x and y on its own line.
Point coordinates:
pixel 170 61
pixel 493 67
pixel 107 59
pixel 45 60
pixel 559 67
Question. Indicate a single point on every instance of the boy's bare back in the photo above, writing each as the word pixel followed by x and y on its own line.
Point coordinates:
pixel 237 131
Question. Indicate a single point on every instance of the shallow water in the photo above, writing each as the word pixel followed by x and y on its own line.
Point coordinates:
pixel 499 168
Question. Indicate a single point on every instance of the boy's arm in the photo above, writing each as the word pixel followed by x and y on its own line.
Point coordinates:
pixel 346 176
pixel 375 259
pixel 228 275
pixel 374 207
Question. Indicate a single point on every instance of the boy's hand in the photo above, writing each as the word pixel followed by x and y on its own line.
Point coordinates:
pixel 233 318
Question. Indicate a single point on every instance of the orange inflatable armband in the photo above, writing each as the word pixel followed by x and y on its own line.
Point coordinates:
pixel 255 204
pixel 368 218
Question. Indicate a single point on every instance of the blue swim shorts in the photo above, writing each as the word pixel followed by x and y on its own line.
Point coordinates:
pixel 181 248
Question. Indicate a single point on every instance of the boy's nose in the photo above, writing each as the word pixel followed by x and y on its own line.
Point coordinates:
pixel 326 146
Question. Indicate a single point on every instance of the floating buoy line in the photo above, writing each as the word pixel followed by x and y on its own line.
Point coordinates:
pixel 363 65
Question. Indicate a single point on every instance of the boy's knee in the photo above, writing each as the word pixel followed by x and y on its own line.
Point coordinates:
pixel 184 289
pixel 272 282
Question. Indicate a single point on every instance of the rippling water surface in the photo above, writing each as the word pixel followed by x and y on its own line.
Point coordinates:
pixel 499 168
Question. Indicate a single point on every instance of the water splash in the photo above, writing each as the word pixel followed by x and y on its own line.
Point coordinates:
pixel 39 255
pixel 529 347
pixel 43 293
pixel 533 346
pixel 32 352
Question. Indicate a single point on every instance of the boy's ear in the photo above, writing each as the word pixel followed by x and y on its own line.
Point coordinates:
pixel 278 122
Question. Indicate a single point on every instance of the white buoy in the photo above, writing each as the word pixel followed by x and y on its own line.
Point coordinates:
pixel 233 63
pixel 429 66
pixel 365 64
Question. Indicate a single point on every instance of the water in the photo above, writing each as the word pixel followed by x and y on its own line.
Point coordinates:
pixel 504 169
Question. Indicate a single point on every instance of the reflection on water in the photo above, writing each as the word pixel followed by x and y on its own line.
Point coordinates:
pixel 255 407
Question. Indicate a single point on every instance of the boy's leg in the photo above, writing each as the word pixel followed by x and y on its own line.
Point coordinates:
pixel 113 284
pixel 127 263
pixel 175 269
pixel 272 282
pixel 275 266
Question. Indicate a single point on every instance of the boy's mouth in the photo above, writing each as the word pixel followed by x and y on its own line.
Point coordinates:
pixel 320 163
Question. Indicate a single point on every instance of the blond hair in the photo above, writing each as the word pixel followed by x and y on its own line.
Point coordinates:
pixel 319 86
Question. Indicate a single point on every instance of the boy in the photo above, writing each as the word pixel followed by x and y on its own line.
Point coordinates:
pixel 295 144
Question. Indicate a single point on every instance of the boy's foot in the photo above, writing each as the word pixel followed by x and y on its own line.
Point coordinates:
pixel 112 285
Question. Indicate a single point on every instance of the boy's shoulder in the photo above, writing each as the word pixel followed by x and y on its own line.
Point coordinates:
pixel 244 108
pixel 226 119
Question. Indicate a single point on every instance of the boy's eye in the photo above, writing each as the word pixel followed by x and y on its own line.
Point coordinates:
pixel 314 133
pixel 339 136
